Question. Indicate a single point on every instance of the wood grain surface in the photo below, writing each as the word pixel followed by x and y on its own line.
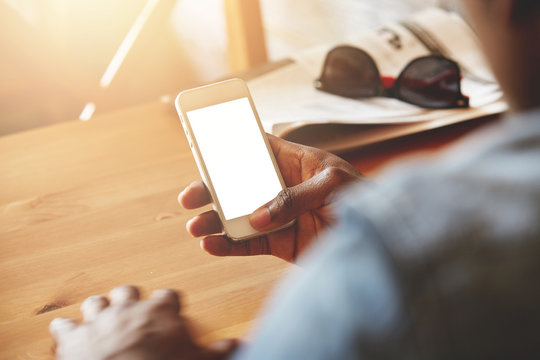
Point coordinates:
pixel 85 207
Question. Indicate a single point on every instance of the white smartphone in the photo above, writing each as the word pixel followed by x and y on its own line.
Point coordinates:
pixel 232 152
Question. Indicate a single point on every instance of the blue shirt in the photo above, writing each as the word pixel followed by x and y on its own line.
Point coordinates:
pixel 439 259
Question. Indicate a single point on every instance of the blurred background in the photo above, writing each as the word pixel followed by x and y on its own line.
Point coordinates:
pixel 60 57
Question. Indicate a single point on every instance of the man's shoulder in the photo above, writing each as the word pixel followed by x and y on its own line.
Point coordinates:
pixel 486 188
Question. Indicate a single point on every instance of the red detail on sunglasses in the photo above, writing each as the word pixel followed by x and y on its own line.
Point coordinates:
pixel 388 81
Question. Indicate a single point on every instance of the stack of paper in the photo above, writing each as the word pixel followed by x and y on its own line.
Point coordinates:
pixel 288 102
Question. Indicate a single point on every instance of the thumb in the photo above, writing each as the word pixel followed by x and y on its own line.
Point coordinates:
pixel 294 201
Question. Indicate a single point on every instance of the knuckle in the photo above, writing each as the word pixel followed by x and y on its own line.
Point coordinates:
pixel 167 296
pixel 93 302
pixel 154 306
pixel 285 198
pixel 59 326
pixel 124 293
pixel 336 173
pixel 126 289
pixel 300 153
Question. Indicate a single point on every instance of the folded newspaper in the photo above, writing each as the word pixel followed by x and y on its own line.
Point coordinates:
pixel 290 106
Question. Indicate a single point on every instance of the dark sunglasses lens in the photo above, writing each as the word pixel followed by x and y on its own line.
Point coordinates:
pixel 430 82
pixel 349 72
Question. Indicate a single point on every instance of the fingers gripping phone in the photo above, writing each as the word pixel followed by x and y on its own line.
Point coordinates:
pixel 232 152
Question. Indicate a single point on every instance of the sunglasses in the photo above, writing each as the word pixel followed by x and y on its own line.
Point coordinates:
pixel 431 81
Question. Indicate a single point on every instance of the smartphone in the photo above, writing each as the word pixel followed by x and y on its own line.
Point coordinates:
pixel 232 152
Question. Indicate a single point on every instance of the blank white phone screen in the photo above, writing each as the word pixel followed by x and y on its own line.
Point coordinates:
pixel 235 155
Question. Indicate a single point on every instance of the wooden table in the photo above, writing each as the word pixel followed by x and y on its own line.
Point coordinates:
pixel 85 207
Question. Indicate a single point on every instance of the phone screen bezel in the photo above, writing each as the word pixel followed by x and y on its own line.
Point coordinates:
pixel 217 93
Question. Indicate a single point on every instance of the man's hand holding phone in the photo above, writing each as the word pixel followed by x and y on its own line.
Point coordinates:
pixel 312 177
pixel 242 169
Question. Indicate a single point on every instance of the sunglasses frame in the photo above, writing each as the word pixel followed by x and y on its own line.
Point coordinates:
pixel 461 101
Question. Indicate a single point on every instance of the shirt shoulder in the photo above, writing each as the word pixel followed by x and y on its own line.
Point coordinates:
pixel 486 188
pixel 463 233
